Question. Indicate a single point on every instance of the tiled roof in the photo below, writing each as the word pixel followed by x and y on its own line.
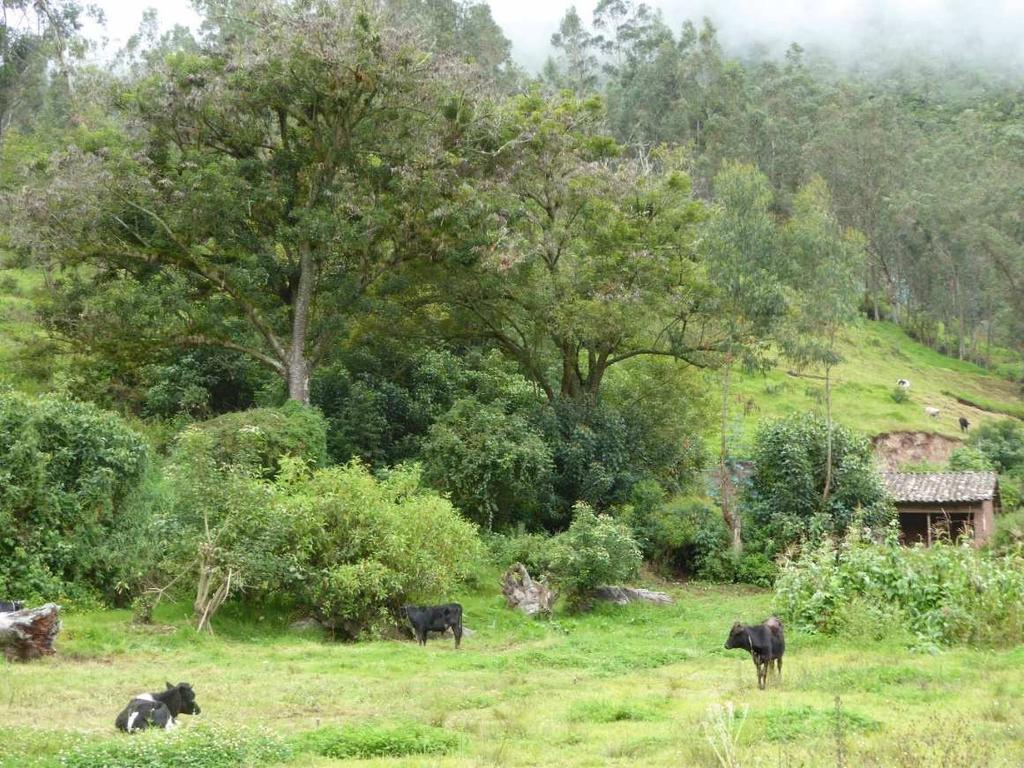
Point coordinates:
pixel 936 487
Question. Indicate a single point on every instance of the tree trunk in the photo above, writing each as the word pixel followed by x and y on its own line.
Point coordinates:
pixel 298 365
pixel 29 634
pixel 828 437
pixel 206 604
pixel 526 595
pixel 732 520
pixel 571 384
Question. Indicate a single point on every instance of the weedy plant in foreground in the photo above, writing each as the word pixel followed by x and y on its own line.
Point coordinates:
pixel 722 726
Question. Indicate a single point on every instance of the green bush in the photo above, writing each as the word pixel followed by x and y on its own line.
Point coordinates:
pixel 783 503
pixel 684 535
pixel 534 550
pixel 198 747
pixel 899 395
pixel 1009 533
pixel 362 742
pixel 225 513
pixel 1002 442
pixel 943 594
pixel 66 470
pixel 967 457
pixel 257 439
pixel 495 467
pixel 359 547
pixel 596 550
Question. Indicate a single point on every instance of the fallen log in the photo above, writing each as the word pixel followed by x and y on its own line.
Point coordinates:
pixel 624 595
pixel 525 594
pixel 29 634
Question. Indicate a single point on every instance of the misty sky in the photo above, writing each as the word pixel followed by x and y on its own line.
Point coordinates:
pixel 989 29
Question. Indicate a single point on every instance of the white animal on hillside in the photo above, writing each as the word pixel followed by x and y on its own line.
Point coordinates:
pixel 903 384
pixel 933 412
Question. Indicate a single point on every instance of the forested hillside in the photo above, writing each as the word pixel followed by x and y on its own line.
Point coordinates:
pixel 535 296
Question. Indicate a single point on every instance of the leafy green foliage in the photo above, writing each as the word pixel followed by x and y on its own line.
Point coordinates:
pixel 1002 443
pixel 595 550
pixel 359 547
pixel 494 465
pixel 534 550
pixel 257 440
pixel 66 472
pixel 362 742
pixel 967 457
pixel 899 395
pixel 199 747
pixel 944 594
pixel 784 499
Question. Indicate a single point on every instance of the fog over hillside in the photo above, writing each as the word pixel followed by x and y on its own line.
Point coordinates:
pixel 957 30
pixel 975 31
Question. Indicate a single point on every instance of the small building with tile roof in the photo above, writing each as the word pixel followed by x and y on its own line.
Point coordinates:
pixel 934 504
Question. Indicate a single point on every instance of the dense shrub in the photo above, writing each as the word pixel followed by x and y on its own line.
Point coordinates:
pixel 783 502
pixel 967 457
pixel 360 547
pixel 1002 442
pixel 380 406
pixel 257 439
pixel 944 594
pixel 595 550
pixel 217 526
pixel 66 470
pixel 534 550
pixel 899 395
pixel 595 459
pixel 493 464
pixel 202 382
pixel 677 535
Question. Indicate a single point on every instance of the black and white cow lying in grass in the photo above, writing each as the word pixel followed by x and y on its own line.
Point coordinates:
pixel 158 710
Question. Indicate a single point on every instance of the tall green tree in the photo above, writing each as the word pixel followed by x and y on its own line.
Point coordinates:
pixel 740 243
pixel 263 185
pixel 40 45
pixel 585 257
pixel 577 67
pixel 828 263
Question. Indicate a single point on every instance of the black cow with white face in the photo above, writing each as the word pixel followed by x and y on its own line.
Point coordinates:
pixel 435 618
pixel 158 710
pixel 10 606
pixel 764 641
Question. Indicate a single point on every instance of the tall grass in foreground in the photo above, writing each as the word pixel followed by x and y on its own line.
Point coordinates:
pixel 723 725
pixel 946 594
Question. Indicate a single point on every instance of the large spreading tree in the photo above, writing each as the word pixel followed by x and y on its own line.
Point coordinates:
pixel 259 187
pixel 581 256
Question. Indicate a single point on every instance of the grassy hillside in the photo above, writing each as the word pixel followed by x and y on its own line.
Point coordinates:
pixel 623 686
pixel 24 359
pixel 876 356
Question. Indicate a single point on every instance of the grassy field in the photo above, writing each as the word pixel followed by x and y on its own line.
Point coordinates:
pixel 623 686
pixel 876 356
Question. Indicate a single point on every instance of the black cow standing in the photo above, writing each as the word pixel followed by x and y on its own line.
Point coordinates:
pixel 435 618
pixel 10 606
pixel 158 710
pixel 765 643
pixel 964 424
